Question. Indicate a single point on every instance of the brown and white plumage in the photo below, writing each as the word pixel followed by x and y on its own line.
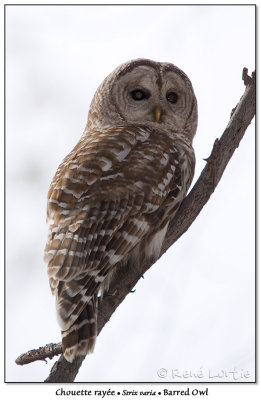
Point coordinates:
pixel 118 188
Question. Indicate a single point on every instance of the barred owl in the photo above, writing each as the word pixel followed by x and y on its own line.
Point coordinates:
pixel 112 197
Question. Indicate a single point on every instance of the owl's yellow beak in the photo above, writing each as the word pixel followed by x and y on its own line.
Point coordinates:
pixel 157 114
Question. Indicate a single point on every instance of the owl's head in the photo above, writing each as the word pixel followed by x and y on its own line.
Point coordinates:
pixel 145 92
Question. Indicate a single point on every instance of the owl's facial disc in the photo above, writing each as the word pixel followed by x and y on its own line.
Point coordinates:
pixel 149 95
pixel 145 92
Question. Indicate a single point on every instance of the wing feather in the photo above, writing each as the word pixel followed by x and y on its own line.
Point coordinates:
pixel 102 202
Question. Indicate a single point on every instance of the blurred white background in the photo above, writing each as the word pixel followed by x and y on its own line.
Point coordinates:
pixel 194 311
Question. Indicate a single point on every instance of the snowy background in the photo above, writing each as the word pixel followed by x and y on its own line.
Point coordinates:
pixel 194 311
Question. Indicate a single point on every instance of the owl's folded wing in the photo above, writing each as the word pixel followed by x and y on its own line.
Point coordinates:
pixel 101 204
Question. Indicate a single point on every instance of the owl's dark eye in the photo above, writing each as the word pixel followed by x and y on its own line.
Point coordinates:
pixel 172 97
pixel 139 94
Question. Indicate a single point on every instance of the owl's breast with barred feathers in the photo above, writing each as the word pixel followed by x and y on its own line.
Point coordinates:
pixel 123 163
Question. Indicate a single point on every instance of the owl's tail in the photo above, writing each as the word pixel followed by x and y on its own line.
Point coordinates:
pixel 80 338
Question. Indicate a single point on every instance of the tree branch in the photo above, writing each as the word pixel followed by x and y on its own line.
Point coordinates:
pixel 48 351
pixel 126 277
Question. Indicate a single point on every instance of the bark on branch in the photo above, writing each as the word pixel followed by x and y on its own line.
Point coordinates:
pixel 126 277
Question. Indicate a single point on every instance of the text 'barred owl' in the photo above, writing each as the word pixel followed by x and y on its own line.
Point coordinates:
pixel 113 196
